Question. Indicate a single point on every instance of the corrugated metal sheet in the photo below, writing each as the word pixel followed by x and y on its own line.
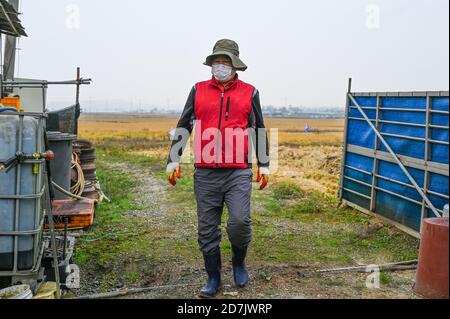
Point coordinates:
pixel 9 21
pixel 416 127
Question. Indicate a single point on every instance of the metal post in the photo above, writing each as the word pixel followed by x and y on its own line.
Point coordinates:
pixel 55 251
pixel 399 162
pixel 50 217
pixel 77 101
pixel 66 221
pixel 18 191
pixel 44 100
pixel 373 192
pixel 77 98
pixel 426 157
pixel 41 186
pixel 10 48
pixel 37 189
pixel 1 77
pixel 52 225
pixel 46 83
pixel 344 147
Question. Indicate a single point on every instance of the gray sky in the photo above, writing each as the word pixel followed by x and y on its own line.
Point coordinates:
pixel 298 52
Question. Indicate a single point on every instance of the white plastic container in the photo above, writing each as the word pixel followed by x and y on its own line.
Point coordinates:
pixel 16 292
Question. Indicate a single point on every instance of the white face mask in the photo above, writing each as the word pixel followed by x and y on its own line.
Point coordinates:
pixel 222 72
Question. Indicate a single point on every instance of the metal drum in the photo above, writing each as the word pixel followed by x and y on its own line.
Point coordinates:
pixel 86 152
pixel 432 269
pixel 61 145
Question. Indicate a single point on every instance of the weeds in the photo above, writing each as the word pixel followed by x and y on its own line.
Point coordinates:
pixel 286 190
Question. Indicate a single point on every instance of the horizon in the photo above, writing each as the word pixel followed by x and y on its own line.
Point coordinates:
pixel 103 105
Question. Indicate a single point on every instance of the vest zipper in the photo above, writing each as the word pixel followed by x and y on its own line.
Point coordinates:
pixel 227 110
pixel 218 130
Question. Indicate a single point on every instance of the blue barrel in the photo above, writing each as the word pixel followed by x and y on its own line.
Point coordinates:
pixel 21 192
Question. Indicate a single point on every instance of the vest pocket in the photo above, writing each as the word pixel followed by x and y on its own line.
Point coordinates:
pixel 227 109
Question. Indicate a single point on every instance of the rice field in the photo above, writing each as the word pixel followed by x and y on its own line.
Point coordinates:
pixel 291 130
pixel 310 159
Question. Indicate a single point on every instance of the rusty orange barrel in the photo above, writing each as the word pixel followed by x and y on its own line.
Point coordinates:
pixel 432 268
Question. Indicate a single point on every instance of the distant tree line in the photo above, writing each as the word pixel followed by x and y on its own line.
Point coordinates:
pixel 303 112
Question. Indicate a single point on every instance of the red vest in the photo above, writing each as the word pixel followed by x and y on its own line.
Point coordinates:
pixel 226 111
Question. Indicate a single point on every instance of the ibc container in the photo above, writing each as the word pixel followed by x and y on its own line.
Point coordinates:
pixel 21 192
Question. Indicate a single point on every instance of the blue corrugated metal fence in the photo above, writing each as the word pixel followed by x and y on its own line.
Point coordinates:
pixel 416 127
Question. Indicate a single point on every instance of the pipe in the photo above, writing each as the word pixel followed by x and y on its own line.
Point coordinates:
pixel 52 224
pixel 65 192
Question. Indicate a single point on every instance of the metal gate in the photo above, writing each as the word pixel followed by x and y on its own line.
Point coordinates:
pixel 396 156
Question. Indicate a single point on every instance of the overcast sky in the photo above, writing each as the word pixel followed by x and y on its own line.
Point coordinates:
pixel 297 52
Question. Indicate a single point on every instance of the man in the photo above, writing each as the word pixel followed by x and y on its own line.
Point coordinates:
pixel 227 112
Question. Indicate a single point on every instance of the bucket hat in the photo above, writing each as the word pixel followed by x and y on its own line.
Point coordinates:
pixel 229 48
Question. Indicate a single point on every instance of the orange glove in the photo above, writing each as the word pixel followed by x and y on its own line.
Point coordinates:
pixel 173 170
pixel 263 175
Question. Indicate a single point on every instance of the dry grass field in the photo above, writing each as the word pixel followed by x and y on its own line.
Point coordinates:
pixel 113 125
pixel 311 159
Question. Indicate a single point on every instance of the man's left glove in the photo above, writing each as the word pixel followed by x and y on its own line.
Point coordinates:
pixel 263 176
pixel 173 170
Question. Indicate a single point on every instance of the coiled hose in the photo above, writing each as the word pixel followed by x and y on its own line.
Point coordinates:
pixel 78 188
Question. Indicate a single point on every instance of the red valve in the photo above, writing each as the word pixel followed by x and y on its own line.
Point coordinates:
pixel 49 155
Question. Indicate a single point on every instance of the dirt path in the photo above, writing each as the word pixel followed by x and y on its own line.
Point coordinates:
pixel 163 221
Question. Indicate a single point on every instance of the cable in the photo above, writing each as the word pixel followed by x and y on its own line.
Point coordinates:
pixel 62 190
pixel 77 190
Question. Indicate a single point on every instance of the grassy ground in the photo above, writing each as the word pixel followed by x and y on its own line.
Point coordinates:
pixel 147 235
pixel 290 225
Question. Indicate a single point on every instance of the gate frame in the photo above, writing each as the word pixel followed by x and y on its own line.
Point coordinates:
pixel 390 156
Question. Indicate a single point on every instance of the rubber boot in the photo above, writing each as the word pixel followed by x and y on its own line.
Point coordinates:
pixel 240 272
pixel 213 267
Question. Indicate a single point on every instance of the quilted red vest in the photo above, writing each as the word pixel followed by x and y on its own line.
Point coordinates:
pixel 225 110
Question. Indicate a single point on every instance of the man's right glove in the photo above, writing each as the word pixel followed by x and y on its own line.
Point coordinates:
pixel 173 170
pixel 263 175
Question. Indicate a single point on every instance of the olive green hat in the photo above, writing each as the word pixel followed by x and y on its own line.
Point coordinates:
pixel 229 48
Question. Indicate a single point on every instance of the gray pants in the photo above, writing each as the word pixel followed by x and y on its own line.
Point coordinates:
pixel 214 187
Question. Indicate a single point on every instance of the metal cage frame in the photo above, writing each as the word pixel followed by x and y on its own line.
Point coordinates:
pixel 425 164
pixel 40 212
